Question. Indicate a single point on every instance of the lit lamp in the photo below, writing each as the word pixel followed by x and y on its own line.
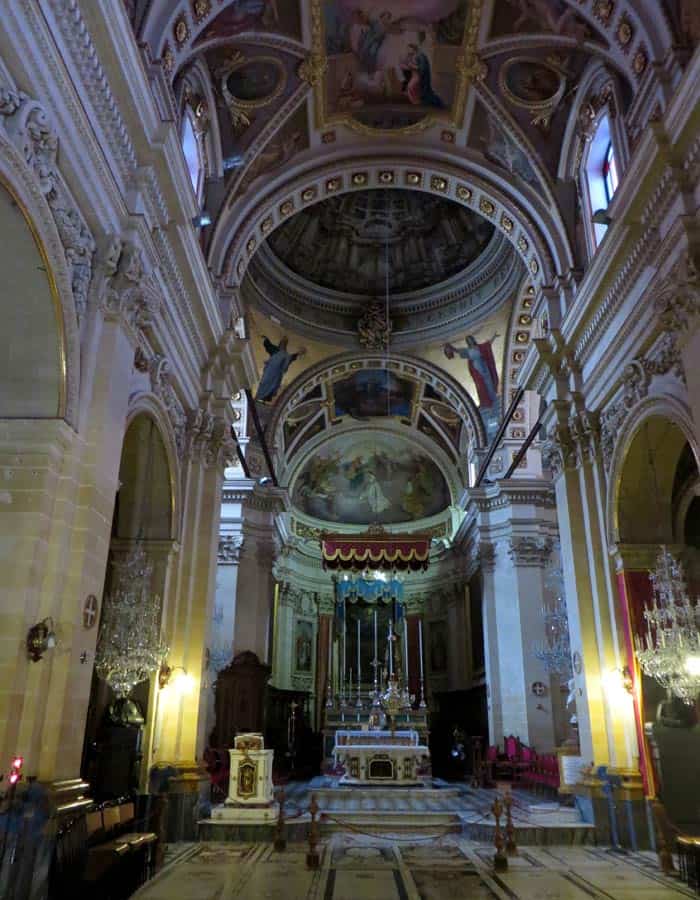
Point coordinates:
pixel 618 685
pixel 176 678
pixel 692 665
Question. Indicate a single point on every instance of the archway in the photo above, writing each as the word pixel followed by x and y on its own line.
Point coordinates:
pixel 32 362
pixel 142 513
pixel 656 505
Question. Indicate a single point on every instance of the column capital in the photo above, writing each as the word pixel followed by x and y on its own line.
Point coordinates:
pixel 229 549
pixel 528 550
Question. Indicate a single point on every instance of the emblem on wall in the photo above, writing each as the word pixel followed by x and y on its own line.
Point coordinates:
pixel 90 610
pixel 577 662
pixel 539 688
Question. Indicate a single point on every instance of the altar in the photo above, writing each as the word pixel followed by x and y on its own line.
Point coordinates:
pixel 381 757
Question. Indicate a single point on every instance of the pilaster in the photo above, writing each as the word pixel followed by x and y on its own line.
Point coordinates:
pixel 513 534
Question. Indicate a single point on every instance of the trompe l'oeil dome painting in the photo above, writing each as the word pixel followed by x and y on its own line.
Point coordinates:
pixel 365 479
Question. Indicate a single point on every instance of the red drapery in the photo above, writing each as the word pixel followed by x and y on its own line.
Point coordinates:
pixel 635 591
pixel 375 550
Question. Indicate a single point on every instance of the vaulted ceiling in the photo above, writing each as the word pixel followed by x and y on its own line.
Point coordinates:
pixel 416 158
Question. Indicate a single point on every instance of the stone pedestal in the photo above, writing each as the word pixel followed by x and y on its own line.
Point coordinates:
pixel 250 794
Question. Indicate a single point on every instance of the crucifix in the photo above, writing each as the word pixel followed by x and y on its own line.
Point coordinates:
pixel 89 611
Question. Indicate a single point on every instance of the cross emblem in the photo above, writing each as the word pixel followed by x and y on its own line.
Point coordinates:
pixel 539 689
pixel 89 611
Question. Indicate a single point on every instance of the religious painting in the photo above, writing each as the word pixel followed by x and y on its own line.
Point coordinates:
pixel 292 138
pixel 247 779
pixel 361 479
pixel 531 82
pixel 370 393
pixel 303 646
pixel 256 80
pixel 481 362
pixel 255 15
pixel 393 64
pixel 537 16
pixel 437 647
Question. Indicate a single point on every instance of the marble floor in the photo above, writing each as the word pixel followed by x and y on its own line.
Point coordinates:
pixel 405 867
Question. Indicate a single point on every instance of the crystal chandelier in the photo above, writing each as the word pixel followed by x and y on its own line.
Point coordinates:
pixel 670 651
pixel 130 645
pixel 555 651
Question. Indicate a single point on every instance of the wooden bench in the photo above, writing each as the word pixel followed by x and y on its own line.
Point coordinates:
pixel 102 853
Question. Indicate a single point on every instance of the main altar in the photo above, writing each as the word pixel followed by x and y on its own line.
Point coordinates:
pixel 380 757
pixel 375 729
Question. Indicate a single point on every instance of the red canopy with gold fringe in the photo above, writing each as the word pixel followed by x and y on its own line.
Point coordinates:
pixel 375 549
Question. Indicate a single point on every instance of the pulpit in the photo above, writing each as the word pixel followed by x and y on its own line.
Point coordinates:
pixel 240 698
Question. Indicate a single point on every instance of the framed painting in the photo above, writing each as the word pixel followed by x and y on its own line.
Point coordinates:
pixel 393 66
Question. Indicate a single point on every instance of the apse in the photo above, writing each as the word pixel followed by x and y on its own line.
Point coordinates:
pixel 366 478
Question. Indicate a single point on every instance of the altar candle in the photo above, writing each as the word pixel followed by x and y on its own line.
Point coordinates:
pixel 350 687
pixel 405 649
pixel 344 644
pixel 359 669
pixel 376 649
pixel 391 648
pixel 330 650
pixel 420 646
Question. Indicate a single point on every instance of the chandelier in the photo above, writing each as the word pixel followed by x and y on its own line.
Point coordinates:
pixel 555 651
pixel 130 645
pixel 670 651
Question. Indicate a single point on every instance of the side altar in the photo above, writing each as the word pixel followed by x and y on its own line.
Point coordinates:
pixel 380 757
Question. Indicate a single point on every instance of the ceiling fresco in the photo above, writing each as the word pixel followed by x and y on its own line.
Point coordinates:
pixel 369 241
pixel 254 15
pixel 369 477
pixel 392 64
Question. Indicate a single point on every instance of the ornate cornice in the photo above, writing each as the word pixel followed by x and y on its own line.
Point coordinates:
pixel 93 78
pixel 29 128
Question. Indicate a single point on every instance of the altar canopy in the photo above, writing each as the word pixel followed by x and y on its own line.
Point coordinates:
pixel 367 590
pixel 383 551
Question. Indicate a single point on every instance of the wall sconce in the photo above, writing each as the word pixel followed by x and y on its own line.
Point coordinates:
pixel 177 678
pixel 40 638
pixel 618 684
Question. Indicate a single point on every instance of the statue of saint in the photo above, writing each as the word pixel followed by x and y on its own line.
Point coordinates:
pixel 278 363
pixel 482 367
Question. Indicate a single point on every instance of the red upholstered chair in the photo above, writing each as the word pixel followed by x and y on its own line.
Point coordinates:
pixel 523 766
pixel 491 760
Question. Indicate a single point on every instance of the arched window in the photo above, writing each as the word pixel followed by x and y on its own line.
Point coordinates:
pixel 602 178
pixel 610 172
pixel 192 149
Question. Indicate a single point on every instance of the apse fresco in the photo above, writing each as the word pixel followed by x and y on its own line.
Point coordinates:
pixel 362 479
pixel 398 57
pixel 373 392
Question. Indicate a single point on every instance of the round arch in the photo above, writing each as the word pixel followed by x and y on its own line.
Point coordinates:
pixel 147 407
pixel 41 328
pixel 538 236
pixel 656 424
pixel 347 363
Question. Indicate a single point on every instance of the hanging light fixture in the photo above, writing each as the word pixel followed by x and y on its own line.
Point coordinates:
pixel 130 645
pixel 555 651
pixel 670 650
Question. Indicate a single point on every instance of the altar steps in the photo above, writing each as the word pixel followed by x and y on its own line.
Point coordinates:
pixel 420 810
